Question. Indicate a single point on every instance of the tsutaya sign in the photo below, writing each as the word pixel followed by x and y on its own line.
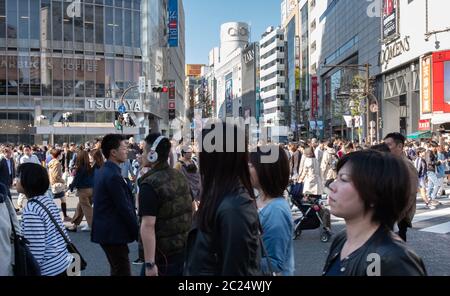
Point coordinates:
pixel 74 9
pixel 106 104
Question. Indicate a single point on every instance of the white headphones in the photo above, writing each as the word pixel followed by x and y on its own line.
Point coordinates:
pixel 152 156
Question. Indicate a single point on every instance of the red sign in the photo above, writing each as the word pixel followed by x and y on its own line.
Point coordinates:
pixel 424 125
pixel 314 98
pixel 441 81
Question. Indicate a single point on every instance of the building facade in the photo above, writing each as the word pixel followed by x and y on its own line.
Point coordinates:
pixel 75 59
pixel 346 35
pixel 273 82
pixel 415 60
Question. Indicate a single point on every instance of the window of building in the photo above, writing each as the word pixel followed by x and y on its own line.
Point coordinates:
pixel 11 14
pixel 57 21
pixel 313 25
pixel 118 26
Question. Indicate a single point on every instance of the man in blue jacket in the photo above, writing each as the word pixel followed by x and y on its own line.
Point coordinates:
pixel 114 223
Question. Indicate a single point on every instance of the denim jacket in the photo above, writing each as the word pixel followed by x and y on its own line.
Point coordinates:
pixel 278 226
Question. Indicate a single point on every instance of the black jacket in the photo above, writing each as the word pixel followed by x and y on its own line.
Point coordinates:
pixel 114 221
pixel 432 161
pixel 5 177
pixel 234 247
pixel 396 258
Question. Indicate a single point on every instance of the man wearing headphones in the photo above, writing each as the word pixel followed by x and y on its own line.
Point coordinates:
pixel 166 210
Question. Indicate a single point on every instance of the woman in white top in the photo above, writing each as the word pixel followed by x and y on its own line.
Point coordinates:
pixel 310 174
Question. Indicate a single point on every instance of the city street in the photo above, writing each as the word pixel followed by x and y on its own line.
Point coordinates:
pixel 429 239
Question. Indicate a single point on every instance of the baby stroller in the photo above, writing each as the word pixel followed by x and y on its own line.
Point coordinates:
pixel 310 207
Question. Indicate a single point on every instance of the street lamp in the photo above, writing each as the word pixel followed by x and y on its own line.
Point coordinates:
pixel 352 108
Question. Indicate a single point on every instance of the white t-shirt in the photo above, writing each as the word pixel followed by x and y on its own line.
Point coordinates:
pixel 33 159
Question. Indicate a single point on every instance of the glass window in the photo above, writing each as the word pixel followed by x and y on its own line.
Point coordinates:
pixel 46 78
pixel 109 2
pixel 98 24
pixel 127 3
pixel 89 77
pixel 34 19
pixel 69 66
pixel 109 21
pixel 119 73
pixel 46 20
pixel 35 76
pixel 3 79
pixel 128 25
pixel 109 77
pixel 118 26
pixel 128 71
pixel 119 3
pixel 57 77
pixel 100 78
pixel 79 27
pixel 98 1
pixel 57 20
pixel 137 71
pixel 136 4
pixel 2 19
pixel 137 29
pixel 89 23
pixel 68 25
pixel 12 18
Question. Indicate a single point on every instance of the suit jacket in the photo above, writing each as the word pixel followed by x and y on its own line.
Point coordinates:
pixel 115 221
pixel 5 177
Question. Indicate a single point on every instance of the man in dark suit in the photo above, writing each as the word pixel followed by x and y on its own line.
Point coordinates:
pixel 7 167
pixel 114 224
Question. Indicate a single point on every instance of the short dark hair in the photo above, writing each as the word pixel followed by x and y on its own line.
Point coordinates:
pixel 33 178
pixel 163 148
pixel 382 181
pixel 273 177
pixel 55 152
pixel 111 142
pixel 383 147
pixel 27 147
pixel 397 137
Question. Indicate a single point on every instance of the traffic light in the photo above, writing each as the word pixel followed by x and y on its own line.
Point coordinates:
pixel 160 89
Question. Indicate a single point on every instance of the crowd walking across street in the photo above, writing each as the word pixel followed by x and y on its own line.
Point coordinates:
pixel 172 208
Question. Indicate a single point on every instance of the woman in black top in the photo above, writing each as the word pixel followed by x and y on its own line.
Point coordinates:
pixel 225 240
pixel 371 192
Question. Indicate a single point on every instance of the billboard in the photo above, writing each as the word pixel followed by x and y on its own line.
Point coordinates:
pixel 447 82
pixel 390 20
pixel 194 70
pixel 229 95
pixel 427 85
pixel 314 97
pixel 172 11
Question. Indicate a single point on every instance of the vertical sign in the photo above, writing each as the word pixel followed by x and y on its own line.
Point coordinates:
pixel 141 85
pixel 229 95
pixel 426 92
pixel 172 104
pixel 172 10
pixel 390 24
pixel 314 103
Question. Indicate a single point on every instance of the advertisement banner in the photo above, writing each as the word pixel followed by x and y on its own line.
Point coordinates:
pixel 427 85
pixel 229 95
pixel 172 10
pixel 390 17
pixel 314 98
pixel 172 102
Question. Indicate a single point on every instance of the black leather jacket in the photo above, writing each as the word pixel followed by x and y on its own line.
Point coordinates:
pixel 396 258
pixel 233 249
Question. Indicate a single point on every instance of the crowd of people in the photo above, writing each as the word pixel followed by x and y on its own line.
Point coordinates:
pixel 200 212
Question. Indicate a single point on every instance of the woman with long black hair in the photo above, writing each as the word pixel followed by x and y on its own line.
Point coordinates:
pixel 225 240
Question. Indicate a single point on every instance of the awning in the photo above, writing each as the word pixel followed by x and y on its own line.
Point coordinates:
pixel 421 135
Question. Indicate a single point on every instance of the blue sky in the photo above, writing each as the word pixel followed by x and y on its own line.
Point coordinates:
pixel 204 17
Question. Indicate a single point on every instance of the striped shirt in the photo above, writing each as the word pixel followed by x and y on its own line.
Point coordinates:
pixel 46 243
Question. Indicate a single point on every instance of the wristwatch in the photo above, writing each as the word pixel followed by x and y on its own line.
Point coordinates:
pixel 150 265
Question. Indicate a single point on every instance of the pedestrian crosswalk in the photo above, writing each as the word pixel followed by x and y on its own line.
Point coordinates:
pixel 433 221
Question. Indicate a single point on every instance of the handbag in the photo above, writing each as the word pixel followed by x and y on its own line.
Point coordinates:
pixel 24 262
pixel 70 246
pixel 58 188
